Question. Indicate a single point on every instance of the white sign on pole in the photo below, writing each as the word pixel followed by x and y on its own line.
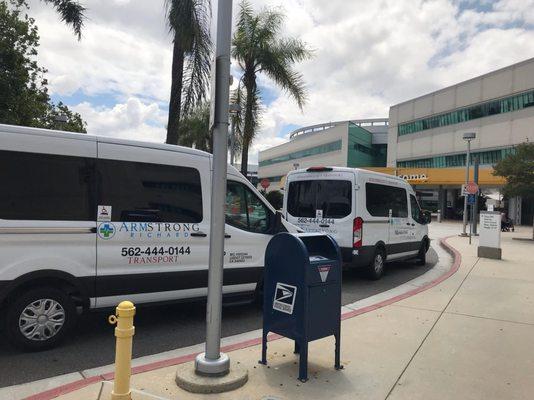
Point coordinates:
pixel 489 244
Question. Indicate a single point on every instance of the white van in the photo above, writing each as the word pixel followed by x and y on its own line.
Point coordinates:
pixel 374 217
pixel 88 221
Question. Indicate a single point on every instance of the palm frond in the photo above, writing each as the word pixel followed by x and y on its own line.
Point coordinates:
pixel 277 60
pixel 71 12
pixel 198 61
pixel 189 23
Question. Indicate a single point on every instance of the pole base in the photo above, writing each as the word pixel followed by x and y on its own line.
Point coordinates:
pixel 189 380
pixel 207 367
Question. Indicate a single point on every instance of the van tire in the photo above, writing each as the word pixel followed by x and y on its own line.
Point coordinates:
pixel 258 294
pixel 375 269
pixel 421 256
pixel 57 311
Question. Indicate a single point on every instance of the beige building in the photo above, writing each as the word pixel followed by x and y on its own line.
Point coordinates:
pixel 426 132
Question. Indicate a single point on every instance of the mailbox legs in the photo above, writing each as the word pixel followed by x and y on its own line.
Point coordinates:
pixel 337 364
pixel 264 348
pixel 303 362
pixel 297 348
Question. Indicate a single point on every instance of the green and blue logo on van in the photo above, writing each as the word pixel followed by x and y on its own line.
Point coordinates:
pixel 106 231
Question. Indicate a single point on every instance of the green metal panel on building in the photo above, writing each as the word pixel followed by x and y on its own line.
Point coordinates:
pixel 361 150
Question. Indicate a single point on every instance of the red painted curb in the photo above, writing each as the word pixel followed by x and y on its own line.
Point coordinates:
pixel 71 387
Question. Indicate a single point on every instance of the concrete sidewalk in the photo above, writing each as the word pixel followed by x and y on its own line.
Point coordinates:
pixel 470 337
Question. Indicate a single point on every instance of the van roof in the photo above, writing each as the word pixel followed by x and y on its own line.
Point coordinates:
pixel 26 130
pixel 351 170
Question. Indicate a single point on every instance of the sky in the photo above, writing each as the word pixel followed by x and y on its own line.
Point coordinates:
pixel 367 56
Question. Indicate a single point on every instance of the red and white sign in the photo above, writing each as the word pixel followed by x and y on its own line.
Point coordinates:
pixel 470 188
pixel 323 271
pixel 265 183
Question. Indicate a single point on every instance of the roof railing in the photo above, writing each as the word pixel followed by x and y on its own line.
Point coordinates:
pixel 327 125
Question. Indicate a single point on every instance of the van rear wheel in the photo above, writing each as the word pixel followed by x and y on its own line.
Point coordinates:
pixel 375 270
pixel 39 319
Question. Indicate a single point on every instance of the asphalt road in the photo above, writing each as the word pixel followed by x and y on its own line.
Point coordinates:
pixel 163 328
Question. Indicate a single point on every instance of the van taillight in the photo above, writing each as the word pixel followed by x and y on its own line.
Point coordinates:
pixel 357 232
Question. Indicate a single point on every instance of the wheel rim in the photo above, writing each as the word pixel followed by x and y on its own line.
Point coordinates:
pixel 379 262
pixel 41 319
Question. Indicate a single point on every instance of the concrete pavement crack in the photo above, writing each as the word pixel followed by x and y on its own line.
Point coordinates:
pixel 490 319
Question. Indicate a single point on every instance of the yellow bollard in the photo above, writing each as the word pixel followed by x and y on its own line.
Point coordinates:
pixel 124 332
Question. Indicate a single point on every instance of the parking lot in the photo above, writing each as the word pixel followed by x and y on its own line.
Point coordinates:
pixel 162 328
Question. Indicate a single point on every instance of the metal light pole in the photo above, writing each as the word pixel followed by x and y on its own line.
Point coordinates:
pixel 468 136
pixel 234 110
pixel 475 206
pixel 212 362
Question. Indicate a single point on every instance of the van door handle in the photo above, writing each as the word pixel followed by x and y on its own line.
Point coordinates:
pixel 324 226
pixel 227 236
pixel 199 234
pixel 92 230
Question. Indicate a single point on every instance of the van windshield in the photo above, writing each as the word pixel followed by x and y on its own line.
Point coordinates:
pixel 332 198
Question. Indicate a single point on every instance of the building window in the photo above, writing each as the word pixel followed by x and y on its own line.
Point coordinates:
pixel 458 160
pixel 493 107
pixel 312 151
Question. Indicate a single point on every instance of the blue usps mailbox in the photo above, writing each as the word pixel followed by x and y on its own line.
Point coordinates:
pixel 302 292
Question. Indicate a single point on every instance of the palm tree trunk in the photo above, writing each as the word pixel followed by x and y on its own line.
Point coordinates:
pixel 248 128
pixel 248 131
pixel 175 103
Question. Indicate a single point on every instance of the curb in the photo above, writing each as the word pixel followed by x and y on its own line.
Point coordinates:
pixel 76 385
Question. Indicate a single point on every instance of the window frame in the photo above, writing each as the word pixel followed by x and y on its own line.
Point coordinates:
pixel 146 214
pixel 250 192
pixel 394 213
pixel 86 181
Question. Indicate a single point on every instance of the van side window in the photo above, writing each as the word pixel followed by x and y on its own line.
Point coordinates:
pixel 382 198
pixel 144 192
pixel 245 210
pixel 46 187
pixel 416 210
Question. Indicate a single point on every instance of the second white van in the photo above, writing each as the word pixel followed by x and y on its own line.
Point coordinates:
pixel 374 217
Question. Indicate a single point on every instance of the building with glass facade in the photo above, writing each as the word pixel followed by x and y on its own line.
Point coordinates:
pixel 426 132
pixel 354 143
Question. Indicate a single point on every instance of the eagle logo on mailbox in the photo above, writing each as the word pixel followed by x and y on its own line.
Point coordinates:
pixel 284 297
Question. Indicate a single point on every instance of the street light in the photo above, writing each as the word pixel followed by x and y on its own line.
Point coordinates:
pixel 234 109
pixel 468 136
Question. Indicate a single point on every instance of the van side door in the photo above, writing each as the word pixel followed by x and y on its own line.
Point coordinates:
pixel 417 219
pixel 248 225
pixel 154 244
pixel 401 241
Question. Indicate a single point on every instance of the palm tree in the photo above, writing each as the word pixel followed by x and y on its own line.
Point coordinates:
pixel 189 23
pixel 259 48
pixel 71 12
pixel 194 130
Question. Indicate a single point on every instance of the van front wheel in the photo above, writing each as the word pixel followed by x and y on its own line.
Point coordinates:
pixel 421 256
pixel 40 318
pixel 375 270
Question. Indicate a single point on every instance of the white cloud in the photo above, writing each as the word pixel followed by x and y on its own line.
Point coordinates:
pixel 368 55
pixel 130 120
